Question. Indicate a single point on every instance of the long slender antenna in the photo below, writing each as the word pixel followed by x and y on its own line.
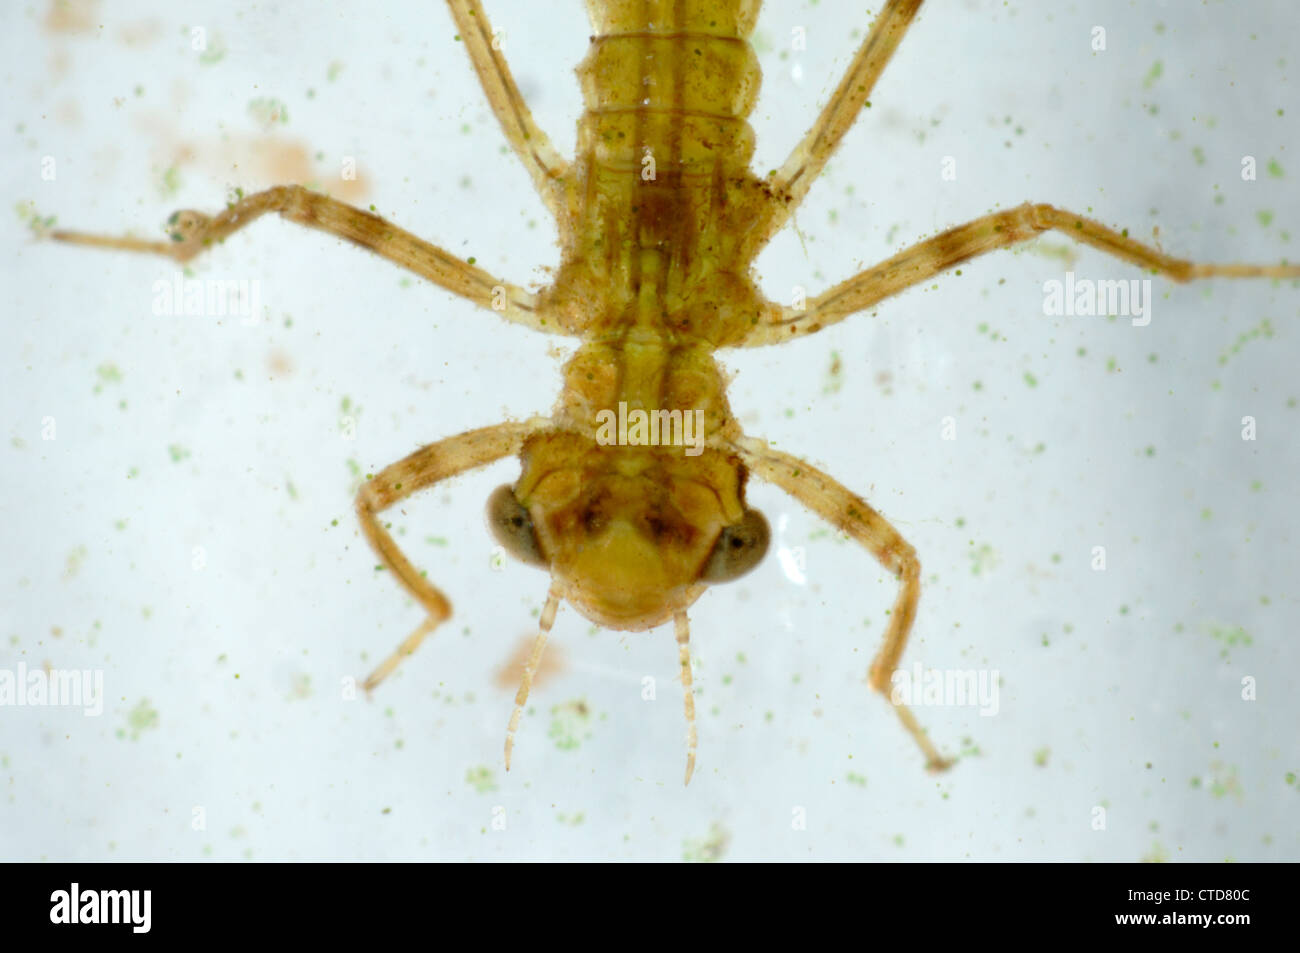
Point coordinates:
pixel 521 697
pixel 683 626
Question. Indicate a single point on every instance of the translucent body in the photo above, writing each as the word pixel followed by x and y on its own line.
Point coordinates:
pixel 655 274
pixel 659 219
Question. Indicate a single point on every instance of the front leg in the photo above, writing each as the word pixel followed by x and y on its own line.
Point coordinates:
pixel 421 470
pixel 850 513
pixel 924 260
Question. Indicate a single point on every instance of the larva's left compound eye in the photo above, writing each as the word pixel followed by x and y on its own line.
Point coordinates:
pixel 739 549
pixel 513 527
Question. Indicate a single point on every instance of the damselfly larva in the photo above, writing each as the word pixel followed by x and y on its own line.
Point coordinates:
pixel 632 494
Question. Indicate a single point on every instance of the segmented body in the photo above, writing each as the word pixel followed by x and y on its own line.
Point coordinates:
pixel 655 268
pixel 659 217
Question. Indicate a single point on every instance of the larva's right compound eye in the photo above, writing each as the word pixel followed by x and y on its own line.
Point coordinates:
pixel 739 549
pixel 513 527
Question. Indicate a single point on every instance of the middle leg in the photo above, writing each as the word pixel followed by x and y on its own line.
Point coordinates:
pixel 988 233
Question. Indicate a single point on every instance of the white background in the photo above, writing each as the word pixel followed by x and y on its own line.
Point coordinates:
pixel 1116 681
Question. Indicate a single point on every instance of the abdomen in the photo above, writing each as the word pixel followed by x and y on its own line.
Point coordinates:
pixel 671 79
pixel 662 188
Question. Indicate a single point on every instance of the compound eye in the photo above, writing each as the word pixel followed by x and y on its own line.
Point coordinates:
pixel 513 527
pixel 739 549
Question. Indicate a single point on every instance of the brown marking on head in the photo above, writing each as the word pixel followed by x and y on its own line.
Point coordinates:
pixel 631 534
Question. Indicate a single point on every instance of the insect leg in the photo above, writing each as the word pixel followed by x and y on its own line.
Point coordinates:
pixel 419 471
pixel 194 232
pixel 933 256
pixel 796 176
pixel 850 513
pixel 531 144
